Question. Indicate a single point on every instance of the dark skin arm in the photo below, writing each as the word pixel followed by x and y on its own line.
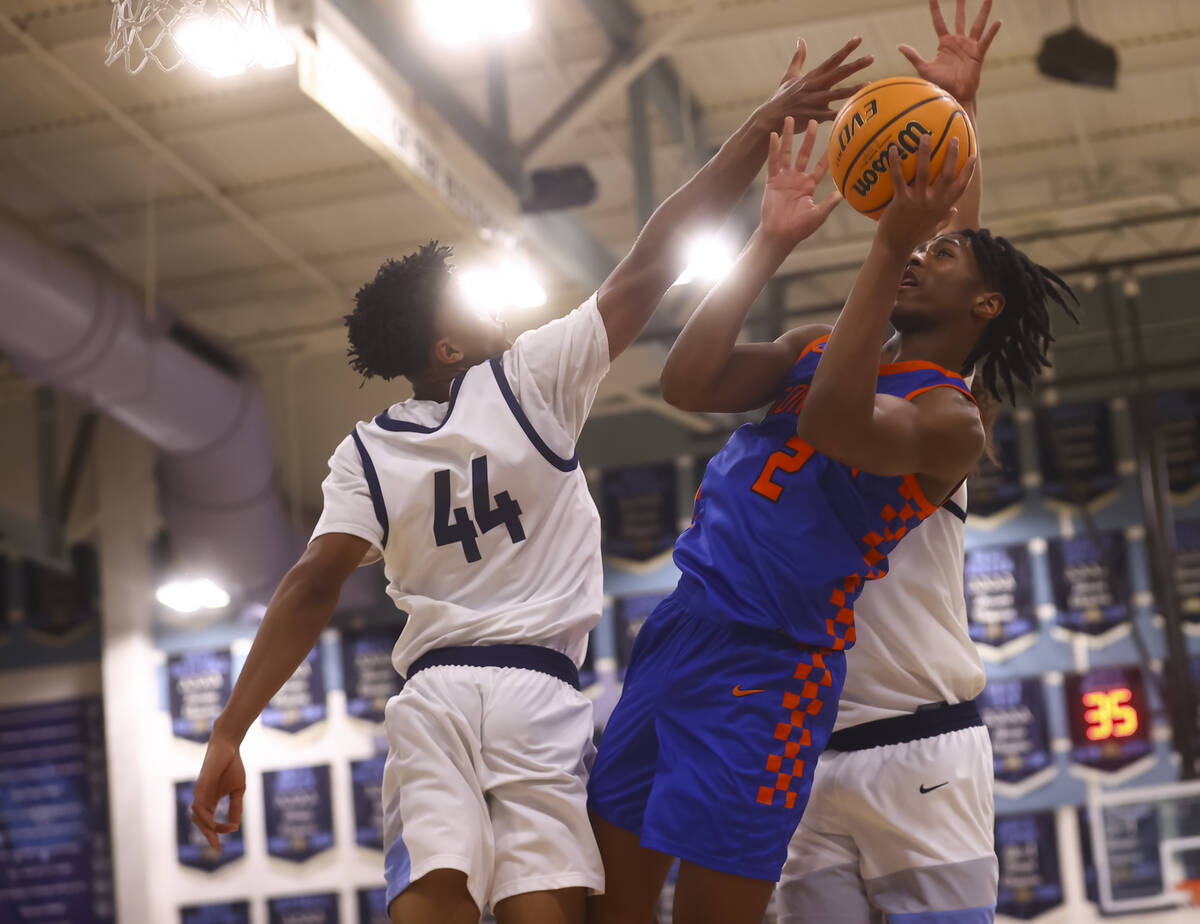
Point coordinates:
pixel 938 435
pixel 298 613
pixel 631 293
pixel 707 369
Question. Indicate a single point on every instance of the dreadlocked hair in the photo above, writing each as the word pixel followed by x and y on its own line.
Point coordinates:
pixel 1014 344
pixel 391 326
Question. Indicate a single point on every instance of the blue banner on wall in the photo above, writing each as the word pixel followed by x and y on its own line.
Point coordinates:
pixel 366 778
pixel 1091 585
pixel 1108 717
pixel 640 511
pixel 1179 427
pixel 321 908
pixel 1015 714
pixel 372 906
pixel 191 846
pixel 55 853
pixel 61 602
pixel 1027 848
pixel 1075 446
pixel 1187 568
pixel 299 812
pixel 198 687
pixel 631 613
pixel 996 486
pixel 1134 868
pixel 219 913
pixel 367 671
pixel 999 586
pixel 300 702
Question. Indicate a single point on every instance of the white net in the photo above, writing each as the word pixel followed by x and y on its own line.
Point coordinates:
pixel 220 36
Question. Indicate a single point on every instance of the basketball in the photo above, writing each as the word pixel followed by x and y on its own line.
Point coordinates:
pixel 897 110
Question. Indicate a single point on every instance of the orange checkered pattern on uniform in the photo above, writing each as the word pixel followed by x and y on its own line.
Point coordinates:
pixel 788 766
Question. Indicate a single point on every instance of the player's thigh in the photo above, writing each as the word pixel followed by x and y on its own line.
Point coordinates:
pixel 634 877
pixel 438 897
pixel 821 882
pixel 435 814
pixel 537 748
pixel 926 834
pixel 708 896
pixel 556 906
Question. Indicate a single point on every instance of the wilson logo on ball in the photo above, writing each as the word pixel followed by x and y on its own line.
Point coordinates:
pixel 908 140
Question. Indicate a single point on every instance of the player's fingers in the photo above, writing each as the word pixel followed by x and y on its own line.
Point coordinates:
pixel 796 66
pixel 822 168
pixel 826 67
pixel 773 155
pixel 914 56
pixel 806 146
pixel 959 186
pixel 939 24
pixel 899 187
pixel 235 808
pixel 840 73
pixel 947 177
pixel 828 204
pixel 921 177
pixel 986 42
pixel 981 19
pixel 785 142
pixel 840 92
pixel 960 17
pixel 203 821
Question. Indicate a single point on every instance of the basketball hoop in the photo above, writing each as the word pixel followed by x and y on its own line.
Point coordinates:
pixel 223 37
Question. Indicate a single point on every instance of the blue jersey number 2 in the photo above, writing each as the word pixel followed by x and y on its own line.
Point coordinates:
pixel 461 529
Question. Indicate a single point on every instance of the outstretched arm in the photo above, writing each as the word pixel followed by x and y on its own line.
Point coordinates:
pixel 628 297
pixel 938 434
pixel 707 369
pixel 957 68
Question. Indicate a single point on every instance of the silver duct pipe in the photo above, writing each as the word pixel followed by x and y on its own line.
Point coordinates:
pixel 69 322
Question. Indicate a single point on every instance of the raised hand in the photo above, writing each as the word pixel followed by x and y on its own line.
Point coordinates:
pixel 959 59
pixel 221 774
pixel 919 209
pixel 805 96
pixel 788 208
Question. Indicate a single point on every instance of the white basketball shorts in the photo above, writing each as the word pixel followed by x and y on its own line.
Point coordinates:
pixel 487 773
pixel 899 832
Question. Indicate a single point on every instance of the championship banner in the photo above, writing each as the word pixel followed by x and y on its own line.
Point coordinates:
pixel 631 613
pixel 1075 445
pixel 220 913
pixel 1091 585
pixel 366 779
pixel 1179 428
pixel 1015 714
pixel 369 677
pixel 1108 717
pixel 1027 848
pixel 640 511
pixel 996 486
pixel 300 702
pixel 1187 568
pixel 199 683
pixel 1133 838
pixel 299 812
pixel 304 909
pixel 59 602
pixel 191 847
pixel 55 853
pixel 999 588
pixel 372 906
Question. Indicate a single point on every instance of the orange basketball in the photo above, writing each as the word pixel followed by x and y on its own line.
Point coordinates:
pixel 897 111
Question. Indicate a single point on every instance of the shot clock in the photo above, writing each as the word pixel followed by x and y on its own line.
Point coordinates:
pixel 1109 719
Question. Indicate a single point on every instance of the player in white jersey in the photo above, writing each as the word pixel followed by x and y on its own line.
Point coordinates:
pixel 471 493
pixel 900 822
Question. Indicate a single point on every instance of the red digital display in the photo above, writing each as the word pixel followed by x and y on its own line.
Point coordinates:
pixel 1110 714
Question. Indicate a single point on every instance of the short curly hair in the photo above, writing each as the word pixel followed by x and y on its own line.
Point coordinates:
pixel 392 325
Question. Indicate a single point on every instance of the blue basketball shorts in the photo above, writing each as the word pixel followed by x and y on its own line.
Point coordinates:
pixel 710 753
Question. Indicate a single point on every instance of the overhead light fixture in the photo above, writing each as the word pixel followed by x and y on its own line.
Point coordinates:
pixel 225 45
pixel 710 258
pixel 460 22
pixel 1076 57
pixel 192 595
pixel 494 289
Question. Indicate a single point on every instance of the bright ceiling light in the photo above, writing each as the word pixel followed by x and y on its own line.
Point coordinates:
pixel 458 22
pixel 188 596
pixel 225 45
pixel 710 257
pixel 492 289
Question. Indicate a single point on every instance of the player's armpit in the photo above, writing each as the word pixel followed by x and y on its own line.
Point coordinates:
pixel 937 434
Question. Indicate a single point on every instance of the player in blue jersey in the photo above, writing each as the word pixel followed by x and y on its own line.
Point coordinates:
pixel 733 685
